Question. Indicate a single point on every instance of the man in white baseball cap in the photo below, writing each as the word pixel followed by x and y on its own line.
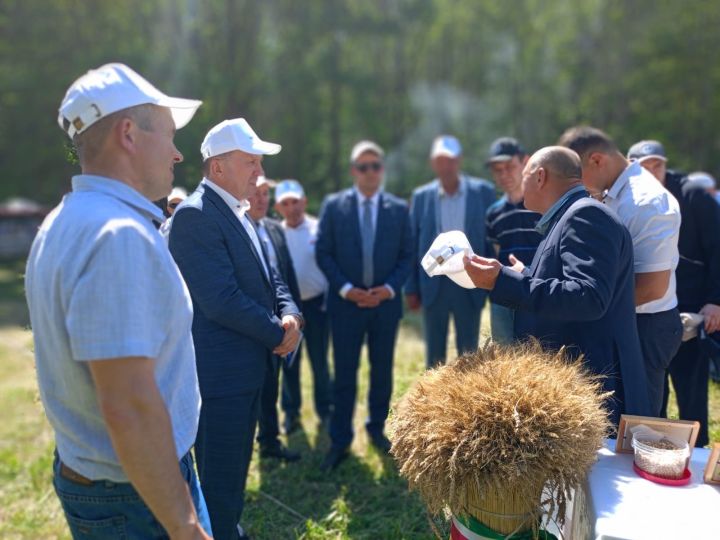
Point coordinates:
pixel 243 311
pixel 452 201
pixel 111 320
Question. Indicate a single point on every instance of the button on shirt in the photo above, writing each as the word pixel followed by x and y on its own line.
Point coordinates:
pixel 652 215
pixel 240 208
pixel 101 284
pixel 451 207
pixel 301 244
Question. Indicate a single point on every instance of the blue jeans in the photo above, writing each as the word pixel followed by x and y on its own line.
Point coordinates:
pixel 103 509
pixel 502 320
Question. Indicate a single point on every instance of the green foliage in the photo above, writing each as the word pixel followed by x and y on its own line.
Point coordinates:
pixel 317 76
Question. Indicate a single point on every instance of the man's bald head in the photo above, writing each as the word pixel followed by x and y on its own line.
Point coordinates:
pixel 562 164
pixel 550 172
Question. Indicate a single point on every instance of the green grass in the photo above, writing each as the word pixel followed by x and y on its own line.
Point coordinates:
pixel 364 499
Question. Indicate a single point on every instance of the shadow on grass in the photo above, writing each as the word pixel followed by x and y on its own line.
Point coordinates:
pixel 363 498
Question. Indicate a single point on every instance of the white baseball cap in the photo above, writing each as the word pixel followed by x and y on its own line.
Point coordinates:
pixel 262 181
pixel 365 146
pixel 235 134
pixel 177 193
pixel 289 189
pixel 445 258
pixel 446 145
pixel 111 88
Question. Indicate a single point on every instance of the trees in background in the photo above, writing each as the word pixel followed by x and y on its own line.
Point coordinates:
pixel 316 76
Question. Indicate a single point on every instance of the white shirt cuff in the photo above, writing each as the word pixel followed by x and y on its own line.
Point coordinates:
pixel 345 289
pixel 392 291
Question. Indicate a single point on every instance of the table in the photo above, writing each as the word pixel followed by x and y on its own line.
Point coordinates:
pixel 616 504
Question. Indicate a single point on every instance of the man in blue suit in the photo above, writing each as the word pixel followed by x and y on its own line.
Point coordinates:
pixel 273 240
pixel 453 201
pixel 243 313
pixel 579 290
pixel 364 248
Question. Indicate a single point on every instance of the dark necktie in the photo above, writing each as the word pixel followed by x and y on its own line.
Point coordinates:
pixel 368 239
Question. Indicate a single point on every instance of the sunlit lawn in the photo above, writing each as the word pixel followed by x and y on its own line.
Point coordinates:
pixel 364 498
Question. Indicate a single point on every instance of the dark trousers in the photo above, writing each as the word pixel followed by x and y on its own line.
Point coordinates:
pixel 349 330
pixel 689 371
pixel 317 338
pixel 223 449
pixel 466 316
pixel 660 337
pixel 268 429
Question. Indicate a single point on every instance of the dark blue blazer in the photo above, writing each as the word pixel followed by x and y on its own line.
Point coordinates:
pixel 287 270
pixel 424 211
pixel 338 250
pixel 237 309
pixel 580 292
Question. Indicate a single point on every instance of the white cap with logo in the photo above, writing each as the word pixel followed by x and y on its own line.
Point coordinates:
pixel 235 134
pixel 445 258
pixel 111 88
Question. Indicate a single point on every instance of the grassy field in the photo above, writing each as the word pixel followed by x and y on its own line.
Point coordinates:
pixel 363 499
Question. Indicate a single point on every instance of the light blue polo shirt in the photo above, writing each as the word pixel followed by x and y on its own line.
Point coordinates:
pixel 101 284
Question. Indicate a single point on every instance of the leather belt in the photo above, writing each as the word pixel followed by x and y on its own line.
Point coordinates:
pixel 67 473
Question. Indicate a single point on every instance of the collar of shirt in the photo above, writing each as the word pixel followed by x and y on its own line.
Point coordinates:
pixel 544 223
pixel 462 188
pixel 374 198
pixel 119 190
pixel 239 207
pixel 631 170
pixel 303 225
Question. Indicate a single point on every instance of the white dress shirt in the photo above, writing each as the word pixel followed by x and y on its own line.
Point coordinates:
pixel 239 208
pixel 652 215
pixel 374 207
pixel 301 244
pixel 451 207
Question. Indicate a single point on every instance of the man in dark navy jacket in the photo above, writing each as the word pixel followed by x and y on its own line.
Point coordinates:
pixel 579 290
pixel 243 313
pixel 273 240
pixel 698 281
pixel 364 248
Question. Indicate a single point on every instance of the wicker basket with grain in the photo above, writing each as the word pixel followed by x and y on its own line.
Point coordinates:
pixel 502 435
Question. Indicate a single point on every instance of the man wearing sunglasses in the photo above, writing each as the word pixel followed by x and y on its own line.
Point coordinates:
pixel 364 248
pixel 453 201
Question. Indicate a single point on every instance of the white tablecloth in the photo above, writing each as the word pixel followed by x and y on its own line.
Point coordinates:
pixel 621 505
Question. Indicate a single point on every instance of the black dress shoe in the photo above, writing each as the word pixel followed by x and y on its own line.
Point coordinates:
pixel 333 458
pixel 279 452
pixel 381 443
pixel 291 424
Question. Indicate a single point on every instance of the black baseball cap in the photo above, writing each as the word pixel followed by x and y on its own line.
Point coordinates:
pixel 504 149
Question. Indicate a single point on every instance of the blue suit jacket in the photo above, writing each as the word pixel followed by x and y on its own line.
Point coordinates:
pixel 237 309
pixel 424 211
pixel 580 292
pixel 287 270
pixel 339 248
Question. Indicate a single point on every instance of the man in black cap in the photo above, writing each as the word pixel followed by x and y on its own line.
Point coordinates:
pixel 510 226
pixel 698 280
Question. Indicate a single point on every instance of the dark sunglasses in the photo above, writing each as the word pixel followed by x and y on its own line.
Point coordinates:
pixel 375 166
pixel 173 205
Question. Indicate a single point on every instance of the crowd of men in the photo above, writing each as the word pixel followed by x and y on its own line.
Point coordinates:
pixel 150 343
